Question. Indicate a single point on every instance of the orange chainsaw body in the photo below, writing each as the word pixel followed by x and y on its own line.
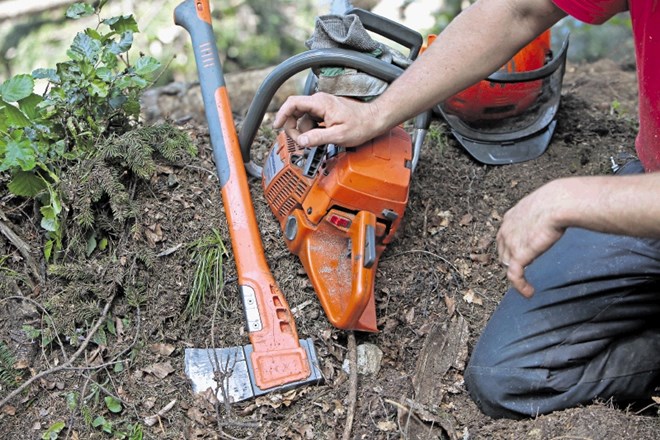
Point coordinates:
pixel 338 209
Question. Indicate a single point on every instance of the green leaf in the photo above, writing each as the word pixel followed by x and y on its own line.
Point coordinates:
pixel 26 184
pixel 17 88
pixel 78 10
pixel 52 433
pixel 123 45
pixel 113 404
pixel 122 24
pixel 100 338
pixel 110 324
pixel 19 153
pixel 31 332
pixel 48 249
pixel 98 88
pixel 91 244
pixel 103 244
pixel 49 74
pixel 146 65
pixel 72 401
pixel 101 422
pixel 105 74
pixel 84 48
pixel 28 105
pixel 14 117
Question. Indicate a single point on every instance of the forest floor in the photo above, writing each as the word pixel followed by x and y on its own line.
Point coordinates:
pixel 440 274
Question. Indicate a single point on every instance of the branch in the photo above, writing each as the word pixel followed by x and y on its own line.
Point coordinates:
pixel 353 385
pixel 18 8
pixel 18 242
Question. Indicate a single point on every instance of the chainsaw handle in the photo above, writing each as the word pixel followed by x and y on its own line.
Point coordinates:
pixel 391 30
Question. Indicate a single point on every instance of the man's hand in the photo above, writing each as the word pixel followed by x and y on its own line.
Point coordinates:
pixel 528 229
pixel 347 122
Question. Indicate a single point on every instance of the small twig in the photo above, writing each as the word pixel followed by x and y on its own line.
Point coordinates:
pixel 22 247
pixel 68 362
pixel 352 385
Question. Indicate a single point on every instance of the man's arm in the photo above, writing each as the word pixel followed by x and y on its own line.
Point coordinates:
pixel 476 43
pixel 625 205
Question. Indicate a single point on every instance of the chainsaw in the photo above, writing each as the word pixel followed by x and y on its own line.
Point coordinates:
pixel 338 207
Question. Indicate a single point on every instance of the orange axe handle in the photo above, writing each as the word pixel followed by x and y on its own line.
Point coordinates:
pixel 277 358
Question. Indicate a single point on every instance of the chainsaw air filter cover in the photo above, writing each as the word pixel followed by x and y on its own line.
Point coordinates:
pixel 338 208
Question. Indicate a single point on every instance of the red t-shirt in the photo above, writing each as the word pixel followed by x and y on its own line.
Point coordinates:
pixel 645 15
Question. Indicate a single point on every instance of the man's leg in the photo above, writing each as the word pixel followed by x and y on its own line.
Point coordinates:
pixel 590 331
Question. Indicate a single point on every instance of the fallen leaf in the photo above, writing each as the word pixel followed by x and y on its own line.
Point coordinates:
pixel 339 408
pixel 9 410
pixel 162 349
pixel 471 298
pixel 196 415
pixel 152 420
pixel 21 364
pixel 307 431
pixel 410 315
pixel 495 216
pixel 387 426
pixel 466 220
pixel 480 258
pixel 160 370
pixel 450 302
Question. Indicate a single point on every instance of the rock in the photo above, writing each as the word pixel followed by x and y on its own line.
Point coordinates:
pixel 369 358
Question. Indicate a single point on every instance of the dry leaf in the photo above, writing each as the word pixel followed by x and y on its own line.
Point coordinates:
pixel 466 220
pixel 480 258
pixel 160 370
pixel 306 431
pixel 9 410
pixel 471 298
pixel 196 415
pixel 386 425
pixel 152 420
pixel 410 315
pixel 162 349
pixel 450 302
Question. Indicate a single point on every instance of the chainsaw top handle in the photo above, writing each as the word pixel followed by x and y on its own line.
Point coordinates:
pixel 390 29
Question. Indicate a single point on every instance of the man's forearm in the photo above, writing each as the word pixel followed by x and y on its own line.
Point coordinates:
pixel 625 205
pixel 477 42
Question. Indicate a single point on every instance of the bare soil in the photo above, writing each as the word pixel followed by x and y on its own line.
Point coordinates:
pixel 440 271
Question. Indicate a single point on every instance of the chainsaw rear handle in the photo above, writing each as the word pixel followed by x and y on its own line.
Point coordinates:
pixel 278 357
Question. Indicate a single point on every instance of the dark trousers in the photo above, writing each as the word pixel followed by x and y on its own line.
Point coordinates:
pixel 591 330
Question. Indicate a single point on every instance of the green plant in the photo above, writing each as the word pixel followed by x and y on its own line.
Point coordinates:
pixel 8 374
pixel 90 97
pixel 206 253
pixel 53 431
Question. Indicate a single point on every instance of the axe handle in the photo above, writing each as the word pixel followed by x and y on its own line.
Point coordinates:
pixel 277 355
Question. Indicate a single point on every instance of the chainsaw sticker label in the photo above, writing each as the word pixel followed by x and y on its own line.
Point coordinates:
pixel 272 166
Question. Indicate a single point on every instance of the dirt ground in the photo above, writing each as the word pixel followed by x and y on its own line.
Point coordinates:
pixel 440 273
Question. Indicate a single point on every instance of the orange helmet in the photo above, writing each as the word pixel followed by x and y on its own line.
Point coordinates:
pixel 510 116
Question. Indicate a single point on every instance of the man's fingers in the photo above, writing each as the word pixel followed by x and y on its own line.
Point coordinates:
pixel 516 275
pixel 296 106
